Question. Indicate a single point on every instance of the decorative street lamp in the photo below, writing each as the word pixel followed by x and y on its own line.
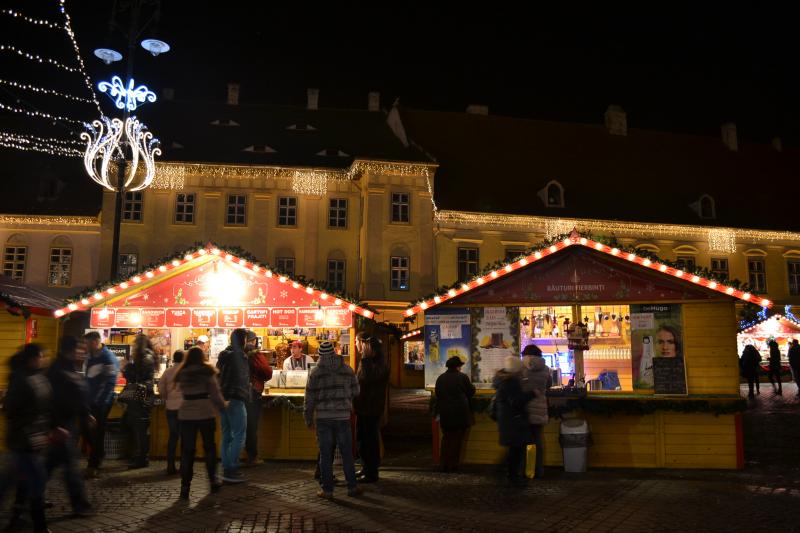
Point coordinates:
pixel 124 145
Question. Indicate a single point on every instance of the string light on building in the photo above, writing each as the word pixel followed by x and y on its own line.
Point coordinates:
pixel 309 183
pixel 556 227
pixel 47 220
pixel 722 240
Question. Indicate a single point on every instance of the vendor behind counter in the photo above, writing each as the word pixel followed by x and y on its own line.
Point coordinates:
pixel 298 360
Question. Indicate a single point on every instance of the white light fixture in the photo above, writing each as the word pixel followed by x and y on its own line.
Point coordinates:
pixel 155 46
pixel 107 55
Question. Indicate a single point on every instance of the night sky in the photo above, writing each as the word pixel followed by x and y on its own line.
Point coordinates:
pixel 682 71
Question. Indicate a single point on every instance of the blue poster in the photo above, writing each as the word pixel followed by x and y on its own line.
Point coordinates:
pixel 447 334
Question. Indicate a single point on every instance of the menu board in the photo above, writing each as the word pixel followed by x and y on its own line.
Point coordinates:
pixel 669 375
pixel 657 348
pixel 230 318
pixel 495 336
pixel 446 335
pixel 223 317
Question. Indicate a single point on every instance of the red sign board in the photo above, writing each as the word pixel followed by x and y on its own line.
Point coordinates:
pixel 310 317
pixel 229 318
pixel 153 318
pixel 102 317
pixel 204 318
pixel 129 318
pixel 179 318
pixel 256 317
pixel 336 317
pixel 283 317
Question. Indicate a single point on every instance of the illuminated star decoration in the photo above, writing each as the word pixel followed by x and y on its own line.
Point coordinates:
pixel 126 97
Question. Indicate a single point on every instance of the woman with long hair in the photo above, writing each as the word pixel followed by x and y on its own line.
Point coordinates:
pixel 140 370
pixel 172 398
pixel 369 405
pixel 202 400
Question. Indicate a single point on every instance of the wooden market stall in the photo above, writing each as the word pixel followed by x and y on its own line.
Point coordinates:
pixel 783 329
pixel 26 315
pixel 641 349
pixel 408 370
pixel 210 291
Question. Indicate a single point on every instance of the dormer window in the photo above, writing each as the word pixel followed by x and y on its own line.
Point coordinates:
pixel 331 152
pixel 224 122
pixel 707 207
pixel 260 149
pixel 553 194
pixel 301 126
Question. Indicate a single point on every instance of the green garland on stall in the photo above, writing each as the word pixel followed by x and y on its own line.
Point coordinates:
pixel 608 241
pixel 627 406
pixel 233 250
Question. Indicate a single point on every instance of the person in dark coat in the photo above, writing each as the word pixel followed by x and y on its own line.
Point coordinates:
pixel 750 368
pixel 140 370
pixel 794 363
pixel 774 372
pixel 234 380
pixel 260 373
pixel 101 371
pixel 71 412
pixel 28 408
pixel 536 378
pixel 369 405
pixel 512 417
pixel 453 391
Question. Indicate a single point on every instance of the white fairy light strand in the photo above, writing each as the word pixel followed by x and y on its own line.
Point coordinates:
pixel 37 58
pixel 40 114
pixel 42 90
pixel 81 66
pixel 37 22
pixel 33 146
pixel 22 137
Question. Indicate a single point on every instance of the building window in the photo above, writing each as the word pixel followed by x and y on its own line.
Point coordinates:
pixel 337 213
pixel 287 211
pixel 60 272
pixel 707 207
pixel 400 273
pixel 513 253
pixel 467 263
pixel 237 210
pixel 719 267
pixel 756 275
pixel 794 277
pixel 400 207
pixel 14 262
pixel 336 275
pixel 132 208
pixel 285 265
pixel 128 265
pixel 184 208
pixel 554 195
pixel 686 263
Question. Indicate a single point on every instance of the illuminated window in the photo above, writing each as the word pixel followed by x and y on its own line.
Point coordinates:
pixel 237 210
pixel 132 207
pixel 287 211
pixel 400 273
pixel 14 262
pixel 60 271
pixel 184 208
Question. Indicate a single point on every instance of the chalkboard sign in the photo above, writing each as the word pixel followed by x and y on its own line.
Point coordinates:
pixel 669 375
pixel 122 351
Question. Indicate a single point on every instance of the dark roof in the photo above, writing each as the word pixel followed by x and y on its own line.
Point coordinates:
pixel 498 164
pixel 295 136
pixel 15 294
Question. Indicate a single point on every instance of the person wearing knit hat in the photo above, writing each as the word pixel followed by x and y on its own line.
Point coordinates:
pixel 297 361
pixel 536 379
pixel 510 412
pixel 330 390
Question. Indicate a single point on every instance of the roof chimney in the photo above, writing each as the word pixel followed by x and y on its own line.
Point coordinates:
pixel 475 109
pixel 729 138
pixel 777 144
pixel 616 120
pixel 168 93
pixel 233 94
pixel 374 101
pixel 313 99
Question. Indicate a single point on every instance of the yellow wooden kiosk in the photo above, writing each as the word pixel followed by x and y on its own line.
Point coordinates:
pixel 26 315
pixel 643 350
pixel 211 291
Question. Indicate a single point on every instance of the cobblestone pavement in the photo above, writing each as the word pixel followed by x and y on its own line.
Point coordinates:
pixel 280 496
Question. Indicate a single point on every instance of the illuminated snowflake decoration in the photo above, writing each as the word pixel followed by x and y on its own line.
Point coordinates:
pixel 126 97
pixel 106 142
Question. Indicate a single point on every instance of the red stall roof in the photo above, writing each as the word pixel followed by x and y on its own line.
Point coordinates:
pixel 16 295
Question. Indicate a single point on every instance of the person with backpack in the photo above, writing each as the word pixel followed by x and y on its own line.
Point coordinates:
pixel 536 379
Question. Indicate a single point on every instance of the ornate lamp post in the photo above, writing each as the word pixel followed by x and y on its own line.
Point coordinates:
pixel 123 145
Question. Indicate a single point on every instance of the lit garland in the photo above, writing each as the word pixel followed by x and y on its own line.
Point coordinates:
pixel 748 326
pixel 556 227
pixel 40 114
pixel 81 65
pixel 31 143
pixel 126 97
pixel 37 22
pixel 102 293
pixel 48 220
pixel 41 90
pixel 646 260
pixel 722 240
pixel 38 58
pixel 532 223
pixel 410 334
pixel 309 183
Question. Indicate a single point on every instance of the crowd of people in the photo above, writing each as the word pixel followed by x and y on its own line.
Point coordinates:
pixel 750 367
pixel 53 410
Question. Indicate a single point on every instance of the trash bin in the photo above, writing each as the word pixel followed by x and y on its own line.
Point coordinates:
pixel 115 440
pixel 575 437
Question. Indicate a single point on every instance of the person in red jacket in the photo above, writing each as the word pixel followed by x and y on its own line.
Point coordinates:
pixel 260 373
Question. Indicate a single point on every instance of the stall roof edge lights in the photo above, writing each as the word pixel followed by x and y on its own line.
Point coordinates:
pixel 575 239
pixel 166 270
